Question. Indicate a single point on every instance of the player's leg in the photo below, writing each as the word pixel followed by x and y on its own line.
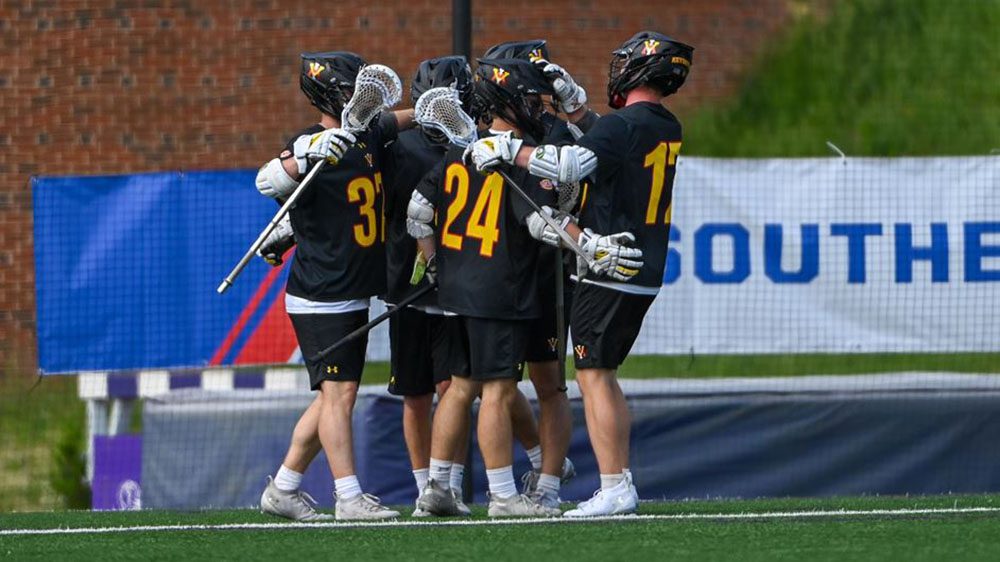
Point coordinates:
pixel 305 443
pixel 555 427
pixel 496 350
pixel 282 496
pixel 608 418
pixel 412 378
pixel 449 430
pixel 550 467
pixel 337 377
pixel 605 325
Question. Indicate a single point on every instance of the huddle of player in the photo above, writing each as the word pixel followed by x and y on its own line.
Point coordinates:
pixel 403 207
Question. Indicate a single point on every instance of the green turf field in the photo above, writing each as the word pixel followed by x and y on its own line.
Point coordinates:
pixel 931 528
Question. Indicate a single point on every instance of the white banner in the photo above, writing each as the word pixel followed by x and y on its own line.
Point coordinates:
pixel 831 255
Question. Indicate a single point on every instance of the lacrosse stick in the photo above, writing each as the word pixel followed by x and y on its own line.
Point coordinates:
pixel 376 88
pixel 375 321
pixel 441 109
pixel 563 235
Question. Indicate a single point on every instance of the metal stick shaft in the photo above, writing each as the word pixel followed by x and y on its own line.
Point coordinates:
pixel 563 235
pixel 376 321
pixel 560 320
pixel 289 203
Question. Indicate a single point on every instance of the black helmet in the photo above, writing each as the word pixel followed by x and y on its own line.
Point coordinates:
pixel 648 58
pixel 510 89
pixel 327 79
pixel 532 50
pixel 451 71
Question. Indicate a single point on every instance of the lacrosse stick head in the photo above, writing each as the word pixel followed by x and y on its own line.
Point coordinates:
pixel 376 88
pixel 440 109
pixel 567 194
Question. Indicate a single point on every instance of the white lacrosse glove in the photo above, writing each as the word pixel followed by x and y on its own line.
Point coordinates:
pixel 569 96
pixel 281 239
pixel 611 255
pixel 330 144
pixel 542 231
pixel 489 153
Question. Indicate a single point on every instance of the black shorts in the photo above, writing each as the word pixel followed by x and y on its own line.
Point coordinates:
pixel 316 332
pixel 542 334
pixel 605 324
pixel 426 349
pixel 497 348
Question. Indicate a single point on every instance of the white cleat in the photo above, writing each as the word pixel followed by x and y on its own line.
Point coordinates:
pixel 297 505
pixel 620 500
pixel 437 500
pixel 519 506
pixel 463 509
pixel 362 506
pixel 529 480
pixel 546 499
pixel 419 512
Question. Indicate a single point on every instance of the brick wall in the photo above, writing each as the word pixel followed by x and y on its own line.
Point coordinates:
pixel 140 85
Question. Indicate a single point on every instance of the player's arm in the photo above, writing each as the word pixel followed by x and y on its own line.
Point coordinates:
pixel 569 96
pixel 404 119
pixel 420 214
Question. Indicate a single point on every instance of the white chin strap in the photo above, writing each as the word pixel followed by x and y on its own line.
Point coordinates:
pixel 567 164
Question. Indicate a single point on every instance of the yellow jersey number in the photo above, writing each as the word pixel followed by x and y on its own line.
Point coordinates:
pixel 365 191
pixel 482 223
pixel 665 154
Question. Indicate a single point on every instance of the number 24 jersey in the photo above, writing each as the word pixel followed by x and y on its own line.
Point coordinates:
pixel 485 257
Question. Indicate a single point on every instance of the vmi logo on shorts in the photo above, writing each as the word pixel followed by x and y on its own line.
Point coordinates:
pixel 553 343
pixel 581 351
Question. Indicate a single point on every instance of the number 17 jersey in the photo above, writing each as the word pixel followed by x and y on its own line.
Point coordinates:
pixel 636 149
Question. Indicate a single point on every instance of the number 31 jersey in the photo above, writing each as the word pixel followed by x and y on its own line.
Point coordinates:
pixel 636 149
pixel 338 223
pixel 485 257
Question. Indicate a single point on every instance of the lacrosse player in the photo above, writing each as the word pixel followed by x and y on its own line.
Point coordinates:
pixel 338 265
pixel 550 467
pixel 425 342
pixel 486 258
pixel 632 154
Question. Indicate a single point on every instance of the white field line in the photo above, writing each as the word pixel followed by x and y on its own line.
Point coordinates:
pixel 488 522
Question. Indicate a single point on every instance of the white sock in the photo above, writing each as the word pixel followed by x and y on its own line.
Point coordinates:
pixel 457 475
pixel 609 481
pixel 535 454
pixel 287 480
pixel 420 476
pixel 502 482
pixel 347 487
pixel 549 483
pixel 440 472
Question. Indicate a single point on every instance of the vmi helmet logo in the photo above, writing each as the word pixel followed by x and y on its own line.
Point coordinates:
pixel 649 46
pixel 315 68
pixel 500 76
pixel 581 351
pixel 535 55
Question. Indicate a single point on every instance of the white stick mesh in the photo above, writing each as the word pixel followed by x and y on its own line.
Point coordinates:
pixel 441 109
pixel 377 88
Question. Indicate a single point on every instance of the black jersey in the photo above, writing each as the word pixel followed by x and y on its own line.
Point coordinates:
pixel 410 158
pixel 636 150
pixel 485 257
pixel 339 231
